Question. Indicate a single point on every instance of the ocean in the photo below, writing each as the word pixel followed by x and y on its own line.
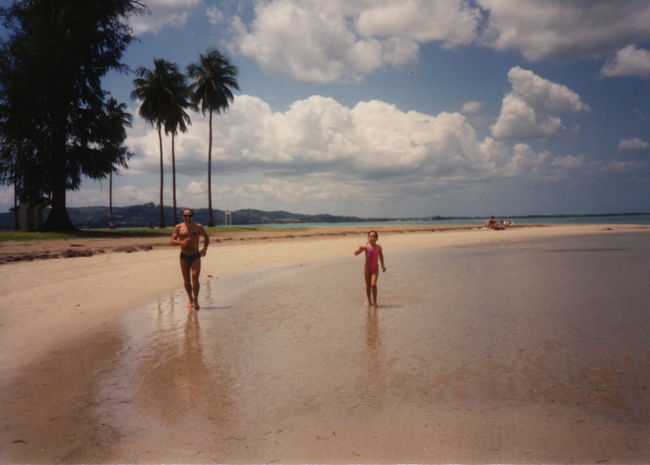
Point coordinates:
pixel 587 219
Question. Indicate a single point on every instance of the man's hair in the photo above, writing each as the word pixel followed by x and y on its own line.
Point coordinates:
pixel 188 209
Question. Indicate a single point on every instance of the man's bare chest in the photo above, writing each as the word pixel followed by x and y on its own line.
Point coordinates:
pixel 186 231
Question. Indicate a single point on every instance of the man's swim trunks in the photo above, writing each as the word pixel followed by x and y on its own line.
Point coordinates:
pixel 190 258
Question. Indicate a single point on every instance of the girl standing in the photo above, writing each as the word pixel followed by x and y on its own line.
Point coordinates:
pixel 374 256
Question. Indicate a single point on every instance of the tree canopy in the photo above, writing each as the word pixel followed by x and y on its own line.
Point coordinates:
pixel 214 77
pixel 52 105
pixel 163 97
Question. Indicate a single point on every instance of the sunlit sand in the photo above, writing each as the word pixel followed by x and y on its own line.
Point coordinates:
pixel 518 346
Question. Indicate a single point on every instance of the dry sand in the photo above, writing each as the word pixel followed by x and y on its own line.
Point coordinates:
pixel 44 303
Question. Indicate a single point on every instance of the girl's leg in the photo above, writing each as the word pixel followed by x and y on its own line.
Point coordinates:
pixel 373 286
pixel 367 275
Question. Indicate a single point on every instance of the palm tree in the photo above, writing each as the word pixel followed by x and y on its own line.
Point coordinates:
pixel 117 120
pixel 177 119
pixel 155 89
pixel 213 80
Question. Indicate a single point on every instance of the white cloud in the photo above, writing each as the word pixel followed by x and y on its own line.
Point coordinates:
pixel 163 13
pixel 633 143
pixel 294 193
pixel 315 41
pixel 450 22
pixel 196 188
pixel 531 109
pixel 97 194
pixel 622 166
pixel 561 30
pixel 471 108
pixel 322 156
pixel 215 15
pixel 320 152
pixel 629 61
pixel 7 195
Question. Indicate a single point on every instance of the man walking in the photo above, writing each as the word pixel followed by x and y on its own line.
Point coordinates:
pixel 186 235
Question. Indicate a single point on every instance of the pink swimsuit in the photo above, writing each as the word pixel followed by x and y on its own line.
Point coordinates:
pixel 372 258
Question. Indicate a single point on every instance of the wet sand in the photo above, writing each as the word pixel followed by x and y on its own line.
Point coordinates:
pixel 525 348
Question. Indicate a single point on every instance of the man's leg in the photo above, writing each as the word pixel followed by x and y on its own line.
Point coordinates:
pixel 187 281
pixel 196 271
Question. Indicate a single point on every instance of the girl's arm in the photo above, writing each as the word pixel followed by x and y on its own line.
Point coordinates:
pixel 360 249
pixel 381 259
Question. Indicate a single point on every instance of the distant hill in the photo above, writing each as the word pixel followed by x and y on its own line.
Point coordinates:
pixel 149 213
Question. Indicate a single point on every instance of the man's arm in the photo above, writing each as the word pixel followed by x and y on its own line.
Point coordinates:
pixel 206 241
pixel 175 234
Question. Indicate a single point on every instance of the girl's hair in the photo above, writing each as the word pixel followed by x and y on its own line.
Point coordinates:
pixel 376 233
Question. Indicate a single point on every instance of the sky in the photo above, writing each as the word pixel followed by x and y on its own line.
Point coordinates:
pixel 401 108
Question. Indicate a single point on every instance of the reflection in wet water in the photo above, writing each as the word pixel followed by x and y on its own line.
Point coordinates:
pixel 544 353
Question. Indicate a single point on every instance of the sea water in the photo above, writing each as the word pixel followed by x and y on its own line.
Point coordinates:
pixel 641 219
pixel 559 324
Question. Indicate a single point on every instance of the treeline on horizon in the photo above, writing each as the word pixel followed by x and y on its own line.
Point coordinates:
pixel 146 215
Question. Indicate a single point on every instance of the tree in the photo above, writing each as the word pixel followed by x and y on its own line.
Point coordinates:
pixel 159 93
pixel 51 95
pixel 114 130
pixel 176 120
pixel 213 80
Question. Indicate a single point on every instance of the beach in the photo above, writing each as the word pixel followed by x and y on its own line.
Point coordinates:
pixel 520 346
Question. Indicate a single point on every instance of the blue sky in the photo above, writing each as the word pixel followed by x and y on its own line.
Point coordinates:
pixel 403 108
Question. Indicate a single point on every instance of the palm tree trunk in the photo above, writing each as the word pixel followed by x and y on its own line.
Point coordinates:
pixel 111 224
pixel 210 217
pixel 174 178
pixel 58 219
pixel 162 208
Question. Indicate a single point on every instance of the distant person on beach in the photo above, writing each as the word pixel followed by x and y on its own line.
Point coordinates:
pixel 503 225
pixel 491 223
pixel 186 235
pixel 374 256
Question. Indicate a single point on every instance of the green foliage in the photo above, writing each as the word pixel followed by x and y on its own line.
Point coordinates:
pixel 53 108
pixel 213 80
pixel 164 97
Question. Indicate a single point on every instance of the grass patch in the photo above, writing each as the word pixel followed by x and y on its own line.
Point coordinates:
pixel 6 236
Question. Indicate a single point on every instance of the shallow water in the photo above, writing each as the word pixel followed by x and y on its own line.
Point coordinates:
pixel 511 352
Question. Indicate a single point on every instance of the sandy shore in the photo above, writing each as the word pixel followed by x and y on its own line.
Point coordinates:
pixel 46 303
